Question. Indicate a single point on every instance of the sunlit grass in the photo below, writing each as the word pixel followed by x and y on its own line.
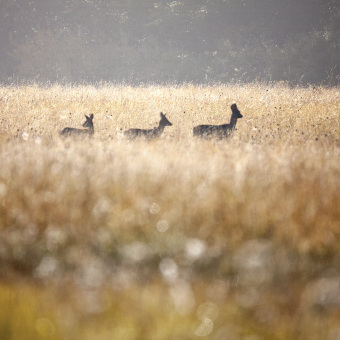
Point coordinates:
pixel 178 238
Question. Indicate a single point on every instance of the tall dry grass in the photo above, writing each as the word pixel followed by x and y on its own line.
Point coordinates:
pixel 177 238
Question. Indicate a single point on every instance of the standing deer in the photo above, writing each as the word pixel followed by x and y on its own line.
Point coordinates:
pixel 219 131
pixel 89 131
pixel 148 134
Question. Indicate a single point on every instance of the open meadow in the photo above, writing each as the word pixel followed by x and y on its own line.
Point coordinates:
pixel 177 238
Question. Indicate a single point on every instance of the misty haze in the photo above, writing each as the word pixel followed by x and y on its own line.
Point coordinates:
pixel 198 41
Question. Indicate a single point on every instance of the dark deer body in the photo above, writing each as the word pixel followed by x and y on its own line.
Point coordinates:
pixel 89 131
pixel 148 134
pixel 219 131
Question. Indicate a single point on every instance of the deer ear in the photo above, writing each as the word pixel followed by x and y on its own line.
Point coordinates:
pixel 91 116
pixel 161 114
pixel 86 117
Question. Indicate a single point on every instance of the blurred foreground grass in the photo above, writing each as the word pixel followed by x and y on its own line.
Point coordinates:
pixel 174 239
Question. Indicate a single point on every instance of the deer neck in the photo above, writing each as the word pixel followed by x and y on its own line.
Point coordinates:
pixel 91 130
pixel 160 129
pixel 233 121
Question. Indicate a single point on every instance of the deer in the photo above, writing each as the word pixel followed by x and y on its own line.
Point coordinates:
pixel 151 133
pixel 219 131
pixel 89 131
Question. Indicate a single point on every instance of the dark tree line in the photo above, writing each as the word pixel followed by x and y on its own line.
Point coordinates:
pixel 170 41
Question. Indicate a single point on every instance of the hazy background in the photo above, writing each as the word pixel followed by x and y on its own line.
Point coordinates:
pixel 150 41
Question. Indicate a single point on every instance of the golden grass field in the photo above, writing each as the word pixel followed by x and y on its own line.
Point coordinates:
pixel 103 238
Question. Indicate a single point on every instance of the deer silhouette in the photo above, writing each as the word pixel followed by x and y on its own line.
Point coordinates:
pixel 89 131
pixel 219 131
pixel 148 134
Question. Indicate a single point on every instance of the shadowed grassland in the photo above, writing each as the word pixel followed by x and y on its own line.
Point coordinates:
pixel 102 238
